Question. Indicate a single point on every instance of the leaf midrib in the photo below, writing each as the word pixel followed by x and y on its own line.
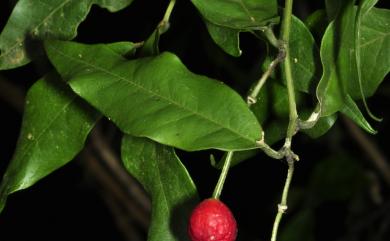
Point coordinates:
pixel 18 42
pixel 160 182
pixel 153 93
pixel 32 143
pixel 251 18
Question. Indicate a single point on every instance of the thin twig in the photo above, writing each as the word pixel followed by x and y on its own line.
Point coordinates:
pixel 163 26
pixel 252 97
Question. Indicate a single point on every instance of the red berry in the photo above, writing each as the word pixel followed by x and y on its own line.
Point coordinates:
pixel 212 220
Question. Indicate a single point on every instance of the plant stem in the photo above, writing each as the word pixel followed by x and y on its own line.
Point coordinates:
pixel 269 34
pixel 222 176
pixel 252 97
pixel 269 151
pixel 282 206
pixel 293 115
pixel 164 24
pixel 168 12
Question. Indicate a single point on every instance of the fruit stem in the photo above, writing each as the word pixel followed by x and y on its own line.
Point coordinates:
pixel 222 177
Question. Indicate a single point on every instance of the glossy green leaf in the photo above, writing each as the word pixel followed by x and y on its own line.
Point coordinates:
pixel 226 38
pixel 33 20
pixel 239 14
pixel 337 61
pixel 124 49
pixel 341 72
pixel 161 99
pixel 351 110
pixel 82 54
pixel 374 52
pixel 55 125
pixel 165 178
pixel 305 61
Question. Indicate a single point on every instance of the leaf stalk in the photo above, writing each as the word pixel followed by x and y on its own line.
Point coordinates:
pixel 163 26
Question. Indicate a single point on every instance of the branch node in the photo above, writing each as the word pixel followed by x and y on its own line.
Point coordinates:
pixel 250 100
pixel 282 208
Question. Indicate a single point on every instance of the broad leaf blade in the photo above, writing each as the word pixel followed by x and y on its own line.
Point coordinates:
pixel 351 110
pixel 165 178
pixel 337 61
pixel 159 98
pixel 226 38
pixel 45 19
pixel 103 57
pixel 239 14
pixel 305 58
pixel 55 125
pixel 374 52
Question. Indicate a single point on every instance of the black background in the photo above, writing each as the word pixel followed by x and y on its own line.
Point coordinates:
pixel 66 204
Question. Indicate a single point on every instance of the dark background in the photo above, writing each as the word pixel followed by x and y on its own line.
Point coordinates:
pixel 67 205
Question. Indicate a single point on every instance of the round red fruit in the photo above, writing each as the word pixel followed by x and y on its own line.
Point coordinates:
pixel 212 220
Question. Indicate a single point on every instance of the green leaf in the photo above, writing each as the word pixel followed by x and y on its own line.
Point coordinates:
pixel 239 14
pixel 32 20
pixel 226 38
pixel 124 49
pixel 341 65
pixel 305 58
pixel 322 126
pixel 55 125
pixel 374 52
pixel 151 48
pixel 103 56
pixel 351 110
pixel 337 61
pixel 165 178
pixel 363 8
pixel 160 98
